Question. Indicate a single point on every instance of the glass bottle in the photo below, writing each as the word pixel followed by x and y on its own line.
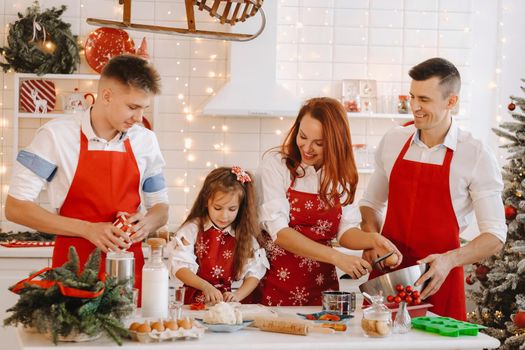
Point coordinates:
pixel 403 321
pixel 377 319
pixel 155 282
pixel 403 104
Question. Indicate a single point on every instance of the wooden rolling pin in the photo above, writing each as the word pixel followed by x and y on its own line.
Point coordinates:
pixel 288 326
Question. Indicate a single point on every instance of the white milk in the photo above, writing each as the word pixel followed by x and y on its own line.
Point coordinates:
pixel 155 292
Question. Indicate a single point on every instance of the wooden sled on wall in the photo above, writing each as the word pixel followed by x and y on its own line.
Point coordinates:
pixel 240 10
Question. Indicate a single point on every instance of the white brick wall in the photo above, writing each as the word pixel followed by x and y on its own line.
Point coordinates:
pixel 321 42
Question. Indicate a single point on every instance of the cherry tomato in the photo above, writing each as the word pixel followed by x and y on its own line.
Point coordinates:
pixel 397 299
pixel 390 298
pixel 402 295
pixel 400 287
pixel 417 301
pixel 408 289
pixel 409 299
pixel 415 294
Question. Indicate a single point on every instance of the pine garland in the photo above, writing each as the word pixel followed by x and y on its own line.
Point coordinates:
pixel 49 311
pixel 27 236
pixel 25 55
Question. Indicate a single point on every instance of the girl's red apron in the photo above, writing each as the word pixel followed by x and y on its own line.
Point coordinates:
pixel 296 280
pixel 214 250
pixel 420 221
pixel 105 183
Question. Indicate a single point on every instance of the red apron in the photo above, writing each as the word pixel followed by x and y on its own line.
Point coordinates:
pixel 105 182
pixel 214 250
pixel 420 221
pixel 293 279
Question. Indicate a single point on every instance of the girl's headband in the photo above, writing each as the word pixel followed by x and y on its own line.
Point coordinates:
pixel 242 176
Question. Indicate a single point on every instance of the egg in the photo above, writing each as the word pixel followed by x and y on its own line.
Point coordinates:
pixel 391 260
pixel 158 326
pixel 171 324
pixel 184 323
pixel 144 328
pixel 134 326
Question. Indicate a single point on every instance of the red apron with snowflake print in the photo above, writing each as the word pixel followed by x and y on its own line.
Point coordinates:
pixel 293 279
pixel 214 250
pixel 105 183
pixel 420 221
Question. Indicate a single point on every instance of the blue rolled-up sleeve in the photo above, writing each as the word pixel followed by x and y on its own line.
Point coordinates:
pixel 38 165
pixel 154 183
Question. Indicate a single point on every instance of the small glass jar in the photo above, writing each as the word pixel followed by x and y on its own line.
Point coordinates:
pixel 377 319
pixel 403 104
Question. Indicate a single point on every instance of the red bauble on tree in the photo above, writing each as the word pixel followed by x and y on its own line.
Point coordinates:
pixel 481 273
pixel 510 212
pixel 469 280
pixel 519 319
pixel 511 106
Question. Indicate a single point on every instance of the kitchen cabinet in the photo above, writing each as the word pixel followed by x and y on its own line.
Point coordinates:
pixel 15 265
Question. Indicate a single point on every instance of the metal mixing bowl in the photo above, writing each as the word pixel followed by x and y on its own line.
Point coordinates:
pixel 387 283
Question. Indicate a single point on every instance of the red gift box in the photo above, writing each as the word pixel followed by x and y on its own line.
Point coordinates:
pixel 122 223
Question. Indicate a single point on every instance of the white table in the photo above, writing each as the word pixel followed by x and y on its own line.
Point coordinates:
pixel 254 339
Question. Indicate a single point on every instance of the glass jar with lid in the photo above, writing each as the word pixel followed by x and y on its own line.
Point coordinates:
pixel 377 319
pixel 403 104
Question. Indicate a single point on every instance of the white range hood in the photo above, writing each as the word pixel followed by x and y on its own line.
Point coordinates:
pixel 252 89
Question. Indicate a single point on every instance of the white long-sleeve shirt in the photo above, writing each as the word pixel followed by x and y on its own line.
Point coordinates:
pixel 273 181
pixel 50 161
pixel 182 255
pixel 475 176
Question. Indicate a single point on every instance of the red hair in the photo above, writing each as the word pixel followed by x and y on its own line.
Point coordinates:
pixel 339 172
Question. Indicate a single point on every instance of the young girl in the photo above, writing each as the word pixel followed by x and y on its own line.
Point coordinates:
pixel 218 242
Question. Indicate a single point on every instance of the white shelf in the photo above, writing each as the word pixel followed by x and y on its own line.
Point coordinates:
pixel 58 76
pixel 379 115
pixel 50 115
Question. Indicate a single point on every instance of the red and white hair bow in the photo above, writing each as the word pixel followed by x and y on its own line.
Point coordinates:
pixel 242 176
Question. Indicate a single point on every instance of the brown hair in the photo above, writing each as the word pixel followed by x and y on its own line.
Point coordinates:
pixel 133 71
pixel 246 223
pixel 339 172
pixel 448 74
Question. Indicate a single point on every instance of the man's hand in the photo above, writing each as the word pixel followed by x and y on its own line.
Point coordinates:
pixel 107 237
pixel 352 265
pixel 141 226
pixel 440 266
pixel 382 246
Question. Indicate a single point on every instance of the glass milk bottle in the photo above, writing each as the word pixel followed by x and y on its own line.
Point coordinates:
pixel 155 282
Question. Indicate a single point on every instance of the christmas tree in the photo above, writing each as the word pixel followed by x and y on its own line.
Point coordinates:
pixel 500 298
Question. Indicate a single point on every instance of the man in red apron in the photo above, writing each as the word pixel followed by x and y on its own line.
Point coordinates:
pixel 93 172
pixel 438 174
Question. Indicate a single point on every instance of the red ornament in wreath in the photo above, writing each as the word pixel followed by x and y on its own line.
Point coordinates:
pixel 519 319
pixel 511 106
pixel 481 273
pixel 105 43
pixel 510 212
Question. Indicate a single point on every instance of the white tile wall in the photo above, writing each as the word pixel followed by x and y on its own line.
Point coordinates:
pixel 320 42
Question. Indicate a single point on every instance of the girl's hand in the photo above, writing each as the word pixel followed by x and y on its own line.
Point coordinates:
pixel 352 265
pixel 229 297
pixel 212 294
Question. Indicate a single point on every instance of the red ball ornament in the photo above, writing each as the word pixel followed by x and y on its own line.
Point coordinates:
pixel 481 273
pixel 519 319
pixel 510 212
pixel 511 106
pixel 469 280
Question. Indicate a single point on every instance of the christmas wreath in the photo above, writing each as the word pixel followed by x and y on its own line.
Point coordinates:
pixel 41 43
pixel 66 303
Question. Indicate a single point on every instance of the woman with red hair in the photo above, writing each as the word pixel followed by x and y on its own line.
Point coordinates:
pixel 307 188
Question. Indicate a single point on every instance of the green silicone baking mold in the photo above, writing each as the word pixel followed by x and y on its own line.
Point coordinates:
pixel 445 326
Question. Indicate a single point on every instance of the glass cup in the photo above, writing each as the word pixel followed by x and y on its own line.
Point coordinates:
pixel 176 302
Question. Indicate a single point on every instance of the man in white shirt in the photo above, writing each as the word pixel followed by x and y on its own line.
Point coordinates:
pixel 434 176
pixel 95 165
